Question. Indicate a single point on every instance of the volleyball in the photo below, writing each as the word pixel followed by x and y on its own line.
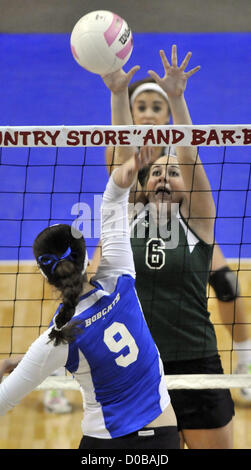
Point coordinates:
pixel 101 42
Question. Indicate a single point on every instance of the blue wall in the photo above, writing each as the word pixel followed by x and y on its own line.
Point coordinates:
pixel 40 84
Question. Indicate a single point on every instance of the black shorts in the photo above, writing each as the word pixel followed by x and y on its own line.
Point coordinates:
pixel 164 437
pixel 200 409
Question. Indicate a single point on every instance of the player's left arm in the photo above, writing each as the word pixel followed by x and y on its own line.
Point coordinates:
pixel 198 204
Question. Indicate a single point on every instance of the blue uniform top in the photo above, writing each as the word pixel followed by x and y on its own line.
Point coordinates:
pixel 114 358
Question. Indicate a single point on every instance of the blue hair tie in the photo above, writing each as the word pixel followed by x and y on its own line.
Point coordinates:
pixel 50 258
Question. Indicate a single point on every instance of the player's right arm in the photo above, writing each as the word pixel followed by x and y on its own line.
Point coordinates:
pixel 117 257
pixel 117 83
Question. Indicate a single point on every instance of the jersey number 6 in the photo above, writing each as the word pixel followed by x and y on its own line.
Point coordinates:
pixel 126 339
pixel 155 253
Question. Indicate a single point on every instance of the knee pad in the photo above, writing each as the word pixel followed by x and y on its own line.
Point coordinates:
pixel 225 284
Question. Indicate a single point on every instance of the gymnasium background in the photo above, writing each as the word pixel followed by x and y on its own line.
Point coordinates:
pixel 40 84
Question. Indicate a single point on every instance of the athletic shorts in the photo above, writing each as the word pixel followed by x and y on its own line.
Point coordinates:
pixel 200 409
pixel 164 437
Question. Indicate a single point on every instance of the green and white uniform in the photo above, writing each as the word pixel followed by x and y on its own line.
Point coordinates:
pixel 171 283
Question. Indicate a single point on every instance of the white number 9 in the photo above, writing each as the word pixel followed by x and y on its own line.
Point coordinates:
pixel 125 340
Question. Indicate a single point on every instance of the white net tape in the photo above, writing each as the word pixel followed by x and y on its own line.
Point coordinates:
pixel 103 136
pixel 193 381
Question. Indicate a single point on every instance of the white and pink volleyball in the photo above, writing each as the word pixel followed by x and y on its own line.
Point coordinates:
pixel 101 42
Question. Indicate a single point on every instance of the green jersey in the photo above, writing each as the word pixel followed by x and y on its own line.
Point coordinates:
pixel 171 282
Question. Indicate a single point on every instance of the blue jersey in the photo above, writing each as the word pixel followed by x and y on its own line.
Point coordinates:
pixel 114 358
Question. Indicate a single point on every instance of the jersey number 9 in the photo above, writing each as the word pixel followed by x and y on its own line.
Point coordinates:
pixel 126 339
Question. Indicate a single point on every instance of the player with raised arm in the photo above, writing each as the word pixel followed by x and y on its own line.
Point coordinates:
pixel 99 333
pixel 172 283
pixel 149 105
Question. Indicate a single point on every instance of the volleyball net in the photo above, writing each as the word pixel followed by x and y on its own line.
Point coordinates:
pixel 57 174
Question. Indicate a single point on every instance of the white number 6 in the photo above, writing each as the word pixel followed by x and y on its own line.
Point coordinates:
pixel 125 340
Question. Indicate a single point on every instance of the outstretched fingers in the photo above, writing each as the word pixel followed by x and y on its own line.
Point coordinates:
pixel 174 56
pixel 192 71
pixel 165 62
pixel 166 66
pixel 154 75
pixel 171 70
pixel 132 71
pixel 185 61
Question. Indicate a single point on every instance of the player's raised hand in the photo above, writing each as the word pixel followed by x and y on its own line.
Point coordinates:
pixel 125 175
pixel 144 157
pixel 175 78
pixel 118 81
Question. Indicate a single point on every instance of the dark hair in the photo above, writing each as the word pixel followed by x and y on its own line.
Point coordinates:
pixel 65 274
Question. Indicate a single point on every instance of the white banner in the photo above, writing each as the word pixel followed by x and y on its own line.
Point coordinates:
pixel 106 136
